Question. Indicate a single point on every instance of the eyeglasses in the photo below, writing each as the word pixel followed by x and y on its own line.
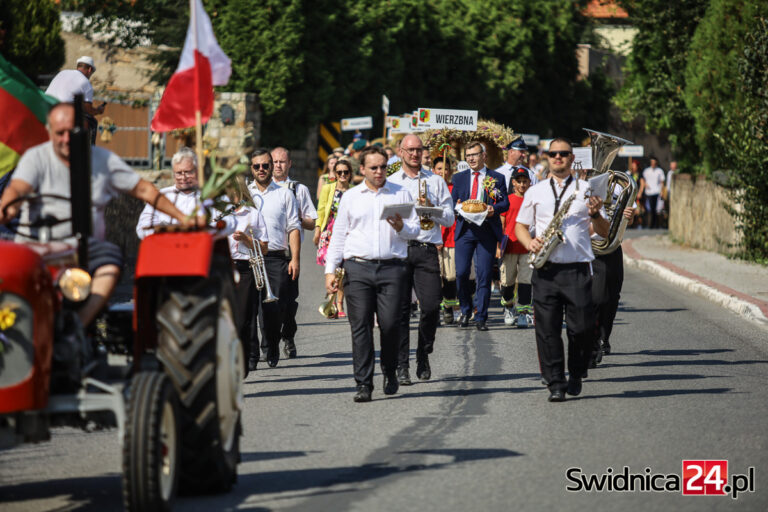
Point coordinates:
pixel 473 155
pixel 185 173
pixel 562 154
pixel 256 167
pixel 343 173
pixel 412 151
pixel 378 168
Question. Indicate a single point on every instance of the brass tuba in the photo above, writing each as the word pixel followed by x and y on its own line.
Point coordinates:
pixel 604 182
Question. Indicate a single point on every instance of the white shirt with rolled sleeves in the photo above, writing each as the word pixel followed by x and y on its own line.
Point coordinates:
pixel 359 232
pixel 438 194
pixel 280 211
pixel 507 169
pixel 69 82
pixel 304 200
pixel 186 202
pixel 654 179
pixel 247 218
pixel 538 208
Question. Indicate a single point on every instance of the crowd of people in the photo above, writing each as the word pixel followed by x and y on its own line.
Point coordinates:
pixel 405 225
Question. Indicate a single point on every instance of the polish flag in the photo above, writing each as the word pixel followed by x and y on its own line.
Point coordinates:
pixel 203 64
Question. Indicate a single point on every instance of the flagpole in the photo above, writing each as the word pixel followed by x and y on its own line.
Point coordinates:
pixel 198 115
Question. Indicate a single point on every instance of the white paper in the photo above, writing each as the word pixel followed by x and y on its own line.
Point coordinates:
pixel 432 211
pixel 584 156
pixel 389 210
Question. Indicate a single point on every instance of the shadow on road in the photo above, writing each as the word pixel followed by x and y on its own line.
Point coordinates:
pixel 657 377
pixel 96 493
pixel 630 309
pixel 655 393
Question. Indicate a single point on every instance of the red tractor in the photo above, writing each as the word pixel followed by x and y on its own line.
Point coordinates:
pixel 168 373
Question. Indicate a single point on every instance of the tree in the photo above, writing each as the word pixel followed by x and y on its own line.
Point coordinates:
pixel 655 81
pixel 30 36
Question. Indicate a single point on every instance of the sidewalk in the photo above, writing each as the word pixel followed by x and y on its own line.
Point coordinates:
pixel 737 285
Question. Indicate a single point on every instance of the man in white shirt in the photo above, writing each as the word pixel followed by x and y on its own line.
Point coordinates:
pixel 373 253
pixel 565 280
pixel 281 161
pixel 45 169
pixel 69 82
pixel 184 194
pixel 654 181
pixel 516 154
pixel 280 210
pixel 423 264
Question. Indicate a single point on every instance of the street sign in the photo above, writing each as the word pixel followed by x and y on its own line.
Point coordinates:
pixel 385 103
pixel 436 118
pixel 357 123
pixel 531 139
pixel 631 151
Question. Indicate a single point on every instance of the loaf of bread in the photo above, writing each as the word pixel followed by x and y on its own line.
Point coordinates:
pixel 473 206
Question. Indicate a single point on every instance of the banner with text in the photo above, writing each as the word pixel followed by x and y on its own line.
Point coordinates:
pixel 357 123
pixel 438 118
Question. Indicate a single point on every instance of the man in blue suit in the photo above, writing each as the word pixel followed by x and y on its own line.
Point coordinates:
pixel 481 183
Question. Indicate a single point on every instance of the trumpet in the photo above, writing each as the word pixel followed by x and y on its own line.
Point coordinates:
pixel 424 221
pixel 328 308
pixel 256 260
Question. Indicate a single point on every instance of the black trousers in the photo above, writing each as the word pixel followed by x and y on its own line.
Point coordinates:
pixel 607 280
pixel 423 275
pixel 558 286
pixel 272 313
pixel 374 288
pixel 653 216
pixel 245 296
pixel 289 327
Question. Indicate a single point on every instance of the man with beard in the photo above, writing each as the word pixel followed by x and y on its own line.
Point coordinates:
pixel 280 211
pixel 281 161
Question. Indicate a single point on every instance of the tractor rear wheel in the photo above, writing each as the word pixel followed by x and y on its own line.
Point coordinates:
pixel 202 355
pixel 150 444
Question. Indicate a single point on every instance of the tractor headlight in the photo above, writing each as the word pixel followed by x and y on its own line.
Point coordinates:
pixel 75 284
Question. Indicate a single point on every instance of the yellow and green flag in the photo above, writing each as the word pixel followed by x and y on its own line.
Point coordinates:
pixel 23 108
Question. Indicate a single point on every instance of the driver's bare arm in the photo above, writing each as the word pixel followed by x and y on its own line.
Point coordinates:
pixel 148 193
pixel 14 190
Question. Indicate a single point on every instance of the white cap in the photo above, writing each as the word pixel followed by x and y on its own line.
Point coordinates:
pixel 87 61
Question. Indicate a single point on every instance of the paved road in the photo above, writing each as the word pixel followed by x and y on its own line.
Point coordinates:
pixel 687 381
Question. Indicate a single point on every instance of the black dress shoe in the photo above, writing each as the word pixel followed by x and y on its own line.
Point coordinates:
pixel 363 393
pixel 252 363
pixel 463 321
pixel 423 371
pixel 447 316
pixel 606 347
pixel 273 359
pixel 481 326
pixel 593 360
pixel 574 386
pixel 404 377
pixel 556 396
pixel 289 349
pixel 391 385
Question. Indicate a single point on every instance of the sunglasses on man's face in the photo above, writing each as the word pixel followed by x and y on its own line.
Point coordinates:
pixel 562 154
pixel 256 167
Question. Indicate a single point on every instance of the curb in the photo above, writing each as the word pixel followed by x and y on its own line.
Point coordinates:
pixel 743 308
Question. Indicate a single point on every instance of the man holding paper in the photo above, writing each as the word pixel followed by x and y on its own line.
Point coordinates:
pixel 423 264
pixel 477 236
pixel 373 223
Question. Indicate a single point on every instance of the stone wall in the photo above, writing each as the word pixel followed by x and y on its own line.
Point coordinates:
pixel 698 217
pixel 244 134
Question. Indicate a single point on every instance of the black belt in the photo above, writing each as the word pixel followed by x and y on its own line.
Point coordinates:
pixel 389 261
pixel 554 266
pixel 277 254
pixel 415 243
pixel 242 264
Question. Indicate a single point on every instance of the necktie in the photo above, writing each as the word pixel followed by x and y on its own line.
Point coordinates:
pixel 474 185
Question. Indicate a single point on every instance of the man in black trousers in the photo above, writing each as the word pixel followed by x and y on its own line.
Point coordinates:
pixel 372 251
pixel 565 280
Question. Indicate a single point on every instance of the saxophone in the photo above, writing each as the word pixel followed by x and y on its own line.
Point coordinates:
pixel 553 235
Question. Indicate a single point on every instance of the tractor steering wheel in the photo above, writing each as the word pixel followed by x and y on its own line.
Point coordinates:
pixel 47 221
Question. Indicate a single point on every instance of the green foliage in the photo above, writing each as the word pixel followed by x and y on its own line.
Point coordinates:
pixel 30 36
pixel 712 86
pixel 655 81
pixel 743 139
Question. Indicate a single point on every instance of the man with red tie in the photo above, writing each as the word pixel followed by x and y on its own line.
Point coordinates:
pixel 480 241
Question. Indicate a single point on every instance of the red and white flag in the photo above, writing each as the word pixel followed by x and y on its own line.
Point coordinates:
pixel 203 64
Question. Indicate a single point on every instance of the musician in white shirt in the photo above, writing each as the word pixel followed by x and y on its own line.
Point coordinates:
pixel 422 264
pixel 565 280
pixel 281 162
pixel 373 252
pixel 654 177
pixel 280 211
